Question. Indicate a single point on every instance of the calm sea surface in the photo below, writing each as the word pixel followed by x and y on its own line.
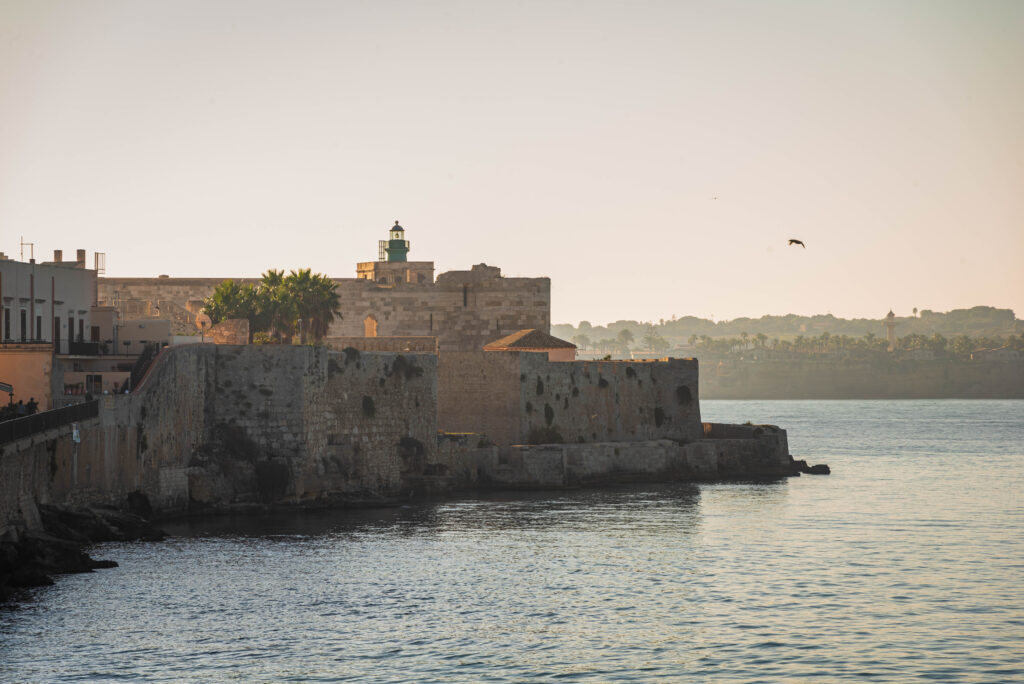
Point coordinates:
pixel 907 563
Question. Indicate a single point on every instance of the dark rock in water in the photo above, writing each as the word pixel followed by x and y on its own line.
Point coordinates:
pixel 129 526
pixel 97 564
pixel 98 524
pixel 28 577
pixel 53 555
pixel 28 556
pixel 802 467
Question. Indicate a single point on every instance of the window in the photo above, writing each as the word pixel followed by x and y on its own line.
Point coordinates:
pixel 7 324
pixel 39 327
pixel 24 326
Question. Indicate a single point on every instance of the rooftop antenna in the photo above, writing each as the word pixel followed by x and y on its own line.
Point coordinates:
pixel 30 245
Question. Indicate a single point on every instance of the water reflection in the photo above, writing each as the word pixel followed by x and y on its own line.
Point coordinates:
pixel 610 509
pixel 902 565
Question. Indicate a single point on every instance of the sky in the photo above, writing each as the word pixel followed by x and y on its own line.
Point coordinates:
pixel 651 158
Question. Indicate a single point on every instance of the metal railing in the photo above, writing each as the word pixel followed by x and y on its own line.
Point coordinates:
pixel 144 363
pixel 19 428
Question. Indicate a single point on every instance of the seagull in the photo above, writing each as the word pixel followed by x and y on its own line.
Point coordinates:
pixel 794 241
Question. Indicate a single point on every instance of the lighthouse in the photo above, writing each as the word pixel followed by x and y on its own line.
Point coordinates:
pixel 890 325
pixel 396 247
pixel 392 266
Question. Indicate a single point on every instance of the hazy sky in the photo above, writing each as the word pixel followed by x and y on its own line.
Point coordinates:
pixel 652 158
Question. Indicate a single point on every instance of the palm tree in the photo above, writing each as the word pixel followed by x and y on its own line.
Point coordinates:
pixel 315 302
pixel 275 304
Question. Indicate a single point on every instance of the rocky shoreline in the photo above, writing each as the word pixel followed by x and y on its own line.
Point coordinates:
pixel 55 544
pixel 54 539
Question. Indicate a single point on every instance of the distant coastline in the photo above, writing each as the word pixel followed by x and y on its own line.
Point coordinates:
pixel 898 378
pixel 975 353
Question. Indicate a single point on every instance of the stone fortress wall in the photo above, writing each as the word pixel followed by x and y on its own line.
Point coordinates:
pixel 464 309
pixel 212 426
pixel 523 398
pixel 216 426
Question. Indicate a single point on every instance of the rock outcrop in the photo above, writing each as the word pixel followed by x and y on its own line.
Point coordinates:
pixel 54 539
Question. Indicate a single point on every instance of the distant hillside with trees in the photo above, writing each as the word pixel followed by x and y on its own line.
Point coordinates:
pixel 959 331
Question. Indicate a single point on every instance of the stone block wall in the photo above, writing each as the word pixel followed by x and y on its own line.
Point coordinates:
pixel 522 397
pixel 377 417
pixel 608 401
pixel 397 345
pixel 464 310
pixel 51 467
pixel 231 331
pixel 479 391
pixel 215 425
pixel 463 456
pixel 553 466
pixel 168 417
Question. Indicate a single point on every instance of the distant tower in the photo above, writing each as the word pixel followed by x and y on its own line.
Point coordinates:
pixel 392 265
pixel 890 324
pixel 396 247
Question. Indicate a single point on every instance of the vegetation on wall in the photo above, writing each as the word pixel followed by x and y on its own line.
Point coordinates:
pixel 301 304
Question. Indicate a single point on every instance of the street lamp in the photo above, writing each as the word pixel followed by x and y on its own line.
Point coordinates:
pixel 203 322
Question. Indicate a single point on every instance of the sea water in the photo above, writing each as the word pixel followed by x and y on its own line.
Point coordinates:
pixel 907 563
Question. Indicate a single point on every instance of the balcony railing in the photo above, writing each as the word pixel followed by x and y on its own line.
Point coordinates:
pixel 19 428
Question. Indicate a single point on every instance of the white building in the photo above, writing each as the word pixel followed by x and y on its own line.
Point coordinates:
pixel 48 302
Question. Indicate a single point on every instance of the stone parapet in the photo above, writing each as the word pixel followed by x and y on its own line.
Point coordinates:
pixel 554 466
pixel 396 345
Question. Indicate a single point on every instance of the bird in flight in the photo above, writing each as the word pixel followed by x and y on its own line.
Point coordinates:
pixel 794 241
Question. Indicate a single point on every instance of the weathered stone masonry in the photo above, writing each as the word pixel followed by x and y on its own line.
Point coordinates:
pixel 218 425
pixel 464 309
pixel 213 426
pixel 523 398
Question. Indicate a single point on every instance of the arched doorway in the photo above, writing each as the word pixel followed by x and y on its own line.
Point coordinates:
pixel 370 326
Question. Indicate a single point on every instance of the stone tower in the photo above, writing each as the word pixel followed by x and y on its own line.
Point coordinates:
pixel 890 325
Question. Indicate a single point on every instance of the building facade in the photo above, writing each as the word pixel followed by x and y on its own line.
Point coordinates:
pixel 391 297
pixel 48 303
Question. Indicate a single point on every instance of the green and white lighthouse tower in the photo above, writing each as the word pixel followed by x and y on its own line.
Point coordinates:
pixel 396 247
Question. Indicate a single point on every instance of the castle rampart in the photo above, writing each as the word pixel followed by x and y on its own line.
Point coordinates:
pixel 523 398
